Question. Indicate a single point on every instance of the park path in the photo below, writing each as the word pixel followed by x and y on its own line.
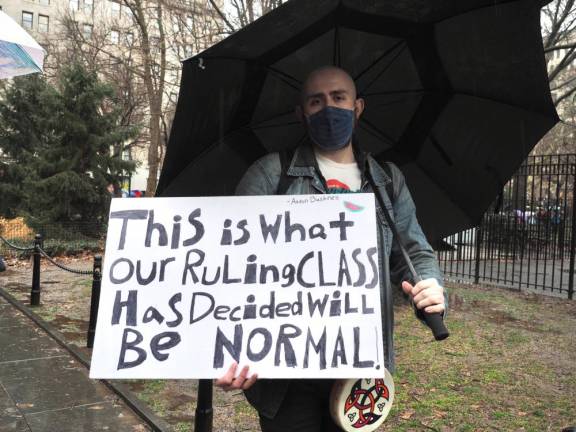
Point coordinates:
pixel 44 389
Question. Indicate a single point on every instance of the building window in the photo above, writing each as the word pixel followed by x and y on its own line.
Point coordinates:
pixel 189 21
pixel 44 2
pixel 74 5
pixel 115 37
pixel 43 23
pixel 87 31
pixel 27 20
pixel 129 39
pixel 116 9
pixel 88 6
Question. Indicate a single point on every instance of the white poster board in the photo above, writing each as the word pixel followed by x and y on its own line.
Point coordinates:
pixel 288 285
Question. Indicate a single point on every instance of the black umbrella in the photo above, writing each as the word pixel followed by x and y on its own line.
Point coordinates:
pixel 456 94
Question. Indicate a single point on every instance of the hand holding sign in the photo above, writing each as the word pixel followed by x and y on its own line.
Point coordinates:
pixel 231 381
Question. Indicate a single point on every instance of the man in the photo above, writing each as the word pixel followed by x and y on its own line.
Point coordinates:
pixel 330 163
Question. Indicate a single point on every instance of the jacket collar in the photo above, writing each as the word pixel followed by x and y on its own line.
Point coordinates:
pixel 304 164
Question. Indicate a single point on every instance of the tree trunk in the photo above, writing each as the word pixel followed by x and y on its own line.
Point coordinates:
pixel 153 153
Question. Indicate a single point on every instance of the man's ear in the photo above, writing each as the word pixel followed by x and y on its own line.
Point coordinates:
pixel 299 113
pixel 359 106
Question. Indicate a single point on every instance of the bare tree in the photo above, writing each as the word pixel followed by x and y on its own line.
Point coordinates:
pixel 242 12
pixel 559 37
pixel 138 46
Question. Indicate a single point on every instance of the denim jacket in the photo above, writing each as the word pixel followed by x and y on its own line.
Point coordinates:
pixel 262 178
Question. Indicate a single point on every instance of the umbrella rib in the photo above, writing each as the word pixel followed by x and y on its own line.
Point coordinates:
pixel 375 62
pixel 336 60
pixel 285 78
pixel 441 150
pixel 274 125
pixel 385 104
pixel 392 92
pixel 490 99
pixel 390 63
pixel 251 125
pixel 259 125
pixel 375 131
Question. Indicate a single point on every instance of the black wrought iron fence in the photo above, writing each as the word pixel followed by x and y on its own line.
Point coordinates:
pixel 62 239
pixel 37 251
pixel 529 241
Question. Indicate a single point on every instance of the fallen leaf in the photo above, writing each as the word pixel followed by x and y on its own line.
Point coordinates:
pixel 406 415
pixel 96 407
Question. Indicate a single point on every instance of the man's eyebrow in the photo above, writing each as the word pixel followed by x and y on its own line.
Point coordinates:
pixel 315 95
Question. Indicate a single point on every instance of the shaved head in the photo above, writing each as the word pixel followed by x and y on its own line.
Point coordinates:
pixel 328 73
pixel 330 87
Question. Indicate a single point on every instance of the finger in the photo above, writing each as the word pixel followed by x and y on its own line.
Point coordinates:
pixel 249 382
pixel 407 287
pixel 439 308
pixel 228 377
pixel 427 293
pixel 423 285
pixel 240 379
pixel 430 301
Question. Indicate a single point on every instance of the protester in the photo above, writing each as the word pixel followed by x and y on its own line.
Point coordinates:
pixel 331 162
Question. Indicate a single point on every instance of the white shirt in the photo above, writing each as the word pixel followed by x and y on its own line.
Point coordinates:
pixel 340 177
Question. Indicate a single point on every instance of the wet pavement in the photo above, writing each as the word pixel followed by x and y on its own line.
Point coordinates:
pixel 44 389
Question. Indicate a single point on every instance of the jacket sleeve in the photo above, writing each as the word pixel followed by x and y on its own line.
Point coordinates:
pixel 262 177
pixel 413 238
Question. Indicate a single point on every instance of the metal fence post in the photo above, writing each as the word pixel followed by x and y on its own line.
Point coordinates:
pixel 203 415
pixel 477 257
pixel 572 248
pixel 35 293
pixel 95 299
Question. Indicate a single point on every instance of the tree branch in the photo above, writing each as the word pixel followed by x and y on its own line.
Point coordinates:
pixel 222 16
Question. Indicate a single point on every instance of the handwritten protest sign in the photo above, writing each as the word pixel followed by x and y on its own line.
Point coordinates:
pixel 286 284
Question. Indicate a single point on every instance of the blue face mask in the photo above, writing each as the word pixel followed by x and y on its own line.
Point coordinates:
pixel 331 128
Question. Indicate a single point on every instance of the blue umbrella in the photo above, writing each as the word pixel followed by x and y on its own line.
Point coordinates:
pixel 20 54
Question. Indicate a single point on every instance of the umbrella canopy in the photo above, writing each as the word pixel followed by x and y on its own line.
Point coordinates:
pixel 456 94
pixel 20 54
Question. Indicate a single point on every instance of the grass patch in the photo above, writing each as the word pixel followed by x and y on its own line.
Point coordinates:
pixel 47 312
pixel 151 393
pixel 505 361
pixel 184 427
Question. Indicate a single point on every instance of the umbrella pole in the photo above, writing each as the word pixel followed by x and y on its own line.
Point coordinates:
pixel 433 320
pixel 203 416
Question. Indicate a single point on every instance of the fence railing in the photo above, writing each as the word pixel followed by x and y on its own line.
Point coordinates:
pixel 38 252
pixel 61 239
pixel 530 241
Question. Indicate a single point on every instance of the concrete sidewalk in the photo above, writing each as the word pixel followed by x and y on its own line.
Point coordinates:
pixel 44 389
